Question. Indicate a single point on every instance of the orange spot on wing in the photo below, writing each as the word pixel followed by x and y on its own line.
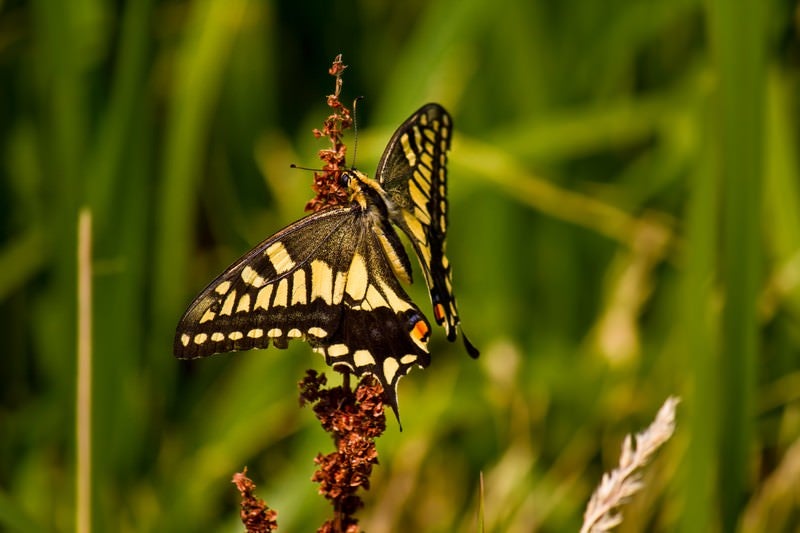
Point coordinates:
pixel 420 330
pixel 438 313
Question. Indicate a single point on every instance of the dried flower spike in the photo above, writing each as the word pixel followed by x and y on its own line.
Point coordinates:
pixel 354 420
pixel 326 186
pixel 255 515
pixel 620 484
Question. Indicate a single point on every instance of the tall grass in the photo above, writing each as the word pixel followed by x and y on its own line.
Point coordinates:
pixel 738 42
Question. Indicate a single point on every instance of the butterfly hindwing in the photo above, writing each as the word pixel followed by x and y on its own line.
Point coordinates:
pixel 383 332
pixel 413 172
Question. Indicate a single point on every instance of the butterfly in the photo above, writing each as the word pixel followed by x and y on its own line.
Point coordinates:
pixel 333 277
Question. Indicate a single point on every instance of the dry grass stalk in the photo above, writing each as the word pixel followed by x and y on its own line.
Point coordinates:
pixel 83 400
pixel 620 484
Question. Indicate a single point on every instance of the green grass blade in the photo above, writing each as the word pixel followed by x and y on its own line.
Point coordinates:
pixel 737 33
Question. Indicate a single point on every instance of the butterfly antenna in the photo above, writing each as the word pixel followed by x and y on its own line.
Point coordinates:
pixel 298 167
pixel 355 129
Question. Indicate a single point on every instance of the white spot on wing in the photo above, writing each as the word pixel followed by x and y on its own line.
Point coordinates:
pixel 185 339
pixel 251 277
pixel 321 281
pixel 256 333
pixel 425 251
pixel 426 158
pixel 223 287
pixel 317 332
pixel 200 338
pixel 363 358
pixel 430 134
pixel 390 367
pixel 294 333
pixel 410 155
pixel 281 293
pixel 415 227
pixel 422 215
pixel 408 359
pixel 419 196
pixel 395 302
pixel 299 287
pixel 235 335
pixel 374 298
pixel 217 336
pixel 396 263
pixel 274 332
pixel 417 136
pixel 423 178
pixel 337 350
pixel 244 304
pixel 227 307
pixel 357 278
pixel 279 257
pixel 262 300
pixel 338 288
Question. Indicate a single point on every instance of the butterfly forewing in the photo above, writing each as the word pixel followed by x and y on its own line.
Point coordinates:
pixel 284 288
pixel 325 279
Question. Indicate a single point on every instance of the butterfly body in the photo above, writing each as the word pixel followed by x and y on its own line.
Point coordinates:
pixel 333 277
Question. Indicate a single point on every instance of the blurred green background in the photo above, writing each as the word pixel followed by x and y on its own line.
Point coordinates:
pixel 625 225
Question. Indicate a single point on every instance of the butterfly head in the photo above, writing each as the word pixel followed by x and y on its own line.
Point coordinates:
pixel 363 189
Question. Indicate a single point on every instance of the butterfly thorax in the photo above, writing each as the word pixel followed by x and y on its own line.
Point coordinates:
pixel 376 207
pixel 364 190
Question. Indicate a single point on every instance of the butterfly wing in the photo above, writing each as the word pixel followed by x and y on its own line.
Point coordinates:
pixel 413 172
pixel 268 296
pixel 325 279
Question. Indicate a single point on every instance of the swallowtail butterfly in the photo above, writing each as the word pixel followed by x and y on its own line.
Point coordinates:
pixel 333 277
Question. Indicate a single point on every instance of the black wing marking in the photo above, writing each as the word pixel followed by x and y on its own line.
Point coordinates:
pixel 413 172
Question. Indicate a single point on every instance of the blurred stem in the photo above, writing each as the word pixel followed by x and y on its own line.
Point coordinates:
pixel 83 390
pixel 737 35
pixel 481 509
